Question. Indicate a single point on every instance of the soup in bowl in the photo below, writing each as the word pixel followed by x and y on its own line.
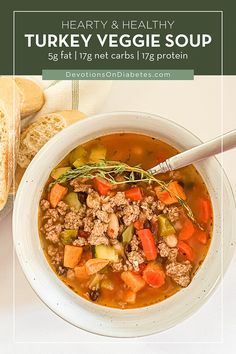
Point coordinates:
pixel 113 305
pixel 118 236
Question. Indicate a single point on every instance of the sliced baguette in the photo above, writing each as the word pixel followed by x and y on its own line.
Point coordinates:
pixel 38 133
pixel 9 134
pixel 32 97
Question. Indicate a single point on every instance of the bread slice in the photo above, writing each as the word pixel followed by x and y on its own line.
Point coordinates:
pixel 9 134
pixel 40 132
pixel 36 135
pixel 32 97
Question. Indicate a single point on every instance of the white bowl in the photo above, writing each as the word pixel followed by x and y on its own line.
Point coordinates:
pixel 63 301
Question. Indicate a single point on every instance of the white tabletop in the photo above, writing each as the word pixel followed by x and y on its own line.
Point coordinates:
pixel 32 328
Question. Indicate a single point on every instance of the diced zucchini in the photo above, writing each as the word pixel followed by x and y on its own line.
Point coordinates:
pixel 128 234
pixel 107 284
pixel 164 226
pixel 106 252
pixel 72 200
pixel 57 172
pixel 79 162
pixel 98 153
pixel 67 236
pixel 77 153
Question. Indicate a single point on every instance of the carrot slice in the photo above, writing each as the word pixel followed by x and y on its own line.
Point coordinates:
pixel 148 243
pixel 94 265
pixel 187 230
pixel 202 237
pixel 170 198
pixel 56 194
pixel 102 185
pixel 205 210
pixel 154 275
pixel 134 281
pixel 72 255
pixel 185 250
pixel 134 194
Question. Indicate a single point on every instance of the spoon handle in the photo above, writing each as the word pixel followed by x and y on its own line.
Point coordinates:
pixel 221 143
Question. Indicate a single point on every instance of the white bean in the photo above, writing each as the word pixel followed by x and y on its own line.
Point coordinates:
pixel 93 200
pixel 113 226
pixel 171 240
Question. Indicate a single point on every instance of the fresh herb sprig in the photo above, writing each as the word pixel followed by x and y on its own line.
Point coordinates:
pixel 110 169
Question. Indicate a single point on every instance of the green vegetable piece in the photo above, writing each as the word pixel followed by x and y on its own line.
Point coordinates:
pixel 98 153
pixel 164 226
pixel 57 172
pixel 107 284
pixel 67 236
pixel 128 234
pixel 79 162
pixel 72 200
pixel 95 282
pixel 106 252
pixel 77 153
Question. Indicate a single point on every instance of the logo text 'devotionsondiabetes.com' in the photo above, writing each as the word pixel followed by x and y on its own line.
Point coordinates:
pixel 118 74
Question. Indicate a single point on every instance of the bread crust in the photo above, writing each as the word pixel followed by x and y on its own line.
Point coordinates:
pixel 32 97
pixel 9 134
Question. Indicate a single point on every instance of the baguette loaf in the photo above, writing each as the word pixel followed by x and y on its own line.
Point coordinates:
pixel 32 97
pixel 9 134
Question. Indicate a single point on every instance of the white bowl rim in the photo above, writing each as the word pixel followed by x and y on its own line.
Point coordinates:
pixel 50 144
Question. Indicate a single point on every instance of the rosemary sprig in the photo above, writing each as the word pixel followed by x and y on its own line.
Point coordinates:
pixel 109 169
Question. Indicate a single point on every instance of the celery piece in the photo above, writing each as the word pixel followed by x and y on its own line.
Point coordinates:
pixel 128 234
pixel 67 236
pixel 95 282
pixel 72 200
pixel 164 226
pixel 98 153
pixel 77 153
pixel 57 172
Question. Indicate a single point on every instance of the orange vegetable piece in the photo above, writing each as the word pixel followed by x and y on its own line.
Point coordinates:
pixel 81 273
pixel 185 250
pixel 169 198
pixel 148 243
pixel 204 210
pixel 72 255
pixel 56 194
pixel 202 237
pixel 134 281
pixel 187 230
pixel 130 296
pixel 134 194
pixel 138 225
pixel 94 265
pixel 101 185
pixel 154 275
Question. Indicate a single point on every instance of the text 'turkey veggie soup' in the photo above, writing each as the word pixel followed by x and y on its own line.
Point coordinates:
pixel 115 234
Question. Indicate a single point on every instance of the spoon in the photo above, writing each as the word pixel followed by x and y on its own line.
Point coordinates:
pixel 221 143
